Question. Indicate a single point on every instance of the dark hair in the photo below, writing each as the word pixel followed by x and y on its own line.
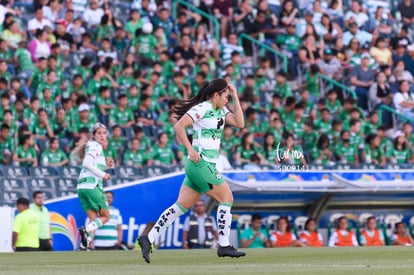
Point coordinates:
pixel 322 140
pixel 396 225
pixel 288 228
pixel 22 201
pixel 109 192
pixel 206 92
pixel 339 220
pixel 309 221
pixel 256 217
pixel 371 218
pixel 35 193
pixel 266 150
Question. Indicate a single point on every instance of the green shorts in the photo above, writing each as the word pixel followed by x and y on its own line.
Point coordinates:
pixel 201 176
pixel 93 199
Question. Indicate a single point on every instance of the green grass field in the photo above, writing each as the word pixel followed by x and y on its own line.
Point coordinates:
pixel 384 260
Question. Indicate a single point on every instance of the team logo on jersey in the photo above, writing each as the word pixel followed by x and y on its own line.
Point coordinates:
pixel 218 175
pixel 197 116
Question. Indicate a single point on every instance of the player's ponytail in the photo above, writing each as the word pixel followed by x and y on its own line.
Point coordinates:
pixel 206 92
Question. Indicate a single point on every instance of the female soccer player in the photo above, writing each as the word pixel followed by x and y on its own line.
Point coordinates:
pixel 90 188
pixel 207 114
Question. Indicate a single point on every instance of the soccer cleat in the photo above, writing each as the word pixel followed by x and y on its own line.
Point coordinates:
pixel 146 248
pixel 229 251
pixel 84 237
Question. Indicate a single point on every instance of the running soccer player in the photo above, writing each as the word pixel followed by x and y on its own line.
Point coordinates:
pixel 90 188
pixel 207 114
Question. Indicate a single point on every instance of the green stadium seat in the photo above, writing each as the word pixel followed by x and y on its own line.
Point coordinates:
pixel 9 197
pixel 15 171
pixel 129 172
pixel 13 184
pixel 155 170
pixel 66 184
pixel 43 172
pixel 70 171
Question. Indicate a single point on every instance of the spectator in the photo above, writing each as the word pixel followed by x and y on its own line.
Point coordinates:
pixel 134 156
pixel 185 51
pixel 162 154
pixel 246 149
pixel 404 99
pixel 223 11
pixel 289 13
pixel 408 59
pixel 321 153
pixel 93 14
pixel 362 77
pixel 371 235
pixel 401 236
pixel 362 36
pixel 39 46
pixel 381 53
pixel 13 35
pixel 356 15
pixel 400 152
pixel 82 119
pixel 52 10
pixel 144 115
pixel 400 73
pixel 229 47
pixel 109 236
pixel 379 92
pixel 310 53
pixel 54 156
pixel 45 231
pixel 25 154
pixel 255 236
pixel 342 236
pixel 134 23
pixel 269 149
pixel 145 44
pixel 6 145
pixel 116 142
pixel 104 30
pixel 310 236
pixel 26 228
pixel 329 30
pixel 381 23
pixel 329 65
pixel 406 9
pixel 372 124
pixel 346 152
pixel 39 22
pixel 283 236
pixel 200 229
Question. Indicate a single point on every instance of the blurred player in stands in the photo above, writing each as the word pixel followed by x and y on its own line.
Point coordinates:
pixel 255 236
pixel 342 236
pixel 401 235
pixel 372 236
pixel 283 236
pixel 207 114
pixel 311 237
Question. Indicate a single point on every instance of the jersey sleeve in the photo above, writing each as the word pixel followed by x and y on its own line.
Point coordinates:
pixel 93 149
pixel 225 110
pixel 197 112
pixel 17 226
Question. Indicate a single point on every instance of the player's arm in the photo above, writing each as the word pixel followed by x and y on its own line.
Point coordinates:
pixel 184 122
pixel 235 119
pixel 14 239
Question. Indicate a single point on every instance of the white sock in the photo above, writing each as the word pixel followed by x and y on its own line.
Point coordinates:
pixel 167 217
pixel 93 225
pixel 224 223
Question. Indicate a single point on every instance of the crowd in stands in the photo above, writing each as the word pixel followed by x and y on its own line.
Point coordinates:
pixel 65 65
pixel 283 235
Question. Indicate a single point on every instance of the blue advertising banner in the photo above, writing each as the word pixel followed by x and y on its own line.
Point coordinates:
pixel 138 203
pixel 143 201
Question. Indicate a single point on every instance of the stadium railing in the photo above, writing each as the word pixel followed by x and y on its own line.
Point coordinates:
pixel 214 21
pixel 264 46
pixel 330 83
pixel 398 117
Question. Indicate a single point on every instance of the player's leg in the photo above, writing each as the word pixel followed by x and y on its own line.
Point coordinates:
pixel 98 212
pixel 221 192
pixel 186 198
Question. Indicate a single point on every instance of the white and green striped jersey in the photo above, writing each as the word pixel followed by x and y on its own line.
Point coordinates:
pixel 80 6
pixel 207 129
pixel 87 179
pixel 107 235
